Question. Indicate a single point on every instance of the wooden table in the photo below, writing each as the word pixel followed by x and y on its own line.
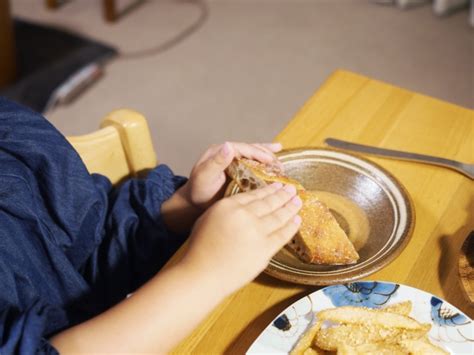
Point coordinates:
pixel 353 107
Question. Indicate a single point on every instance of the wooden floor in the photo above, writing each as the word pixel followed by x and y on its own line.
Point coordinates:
pixel 252 64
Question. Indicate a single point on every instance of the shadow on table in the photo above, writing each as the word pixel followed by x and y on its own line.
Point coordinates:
pixel 447 273
pixel 267 280
pixel 450 245
pixel 247 336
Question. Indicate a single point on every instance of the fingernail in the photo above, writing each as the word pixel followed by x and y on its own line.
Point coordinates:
pixel 297 220
pixel 290 189
pixel 276 146
pixel 225 150
pixel 296 201
pixel 277 185
pixel 267 158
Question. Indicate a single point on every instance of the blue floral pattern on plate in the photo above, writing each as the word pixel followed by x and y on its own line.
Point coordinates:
pixel 444 316
pixel 366 294
pixel 450 325
pixel 282 323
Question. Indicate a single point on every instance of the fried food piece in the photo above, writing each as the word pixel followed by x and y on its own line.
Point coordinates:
pixel 367 316
pixel 324 340
pixel 357 334
pixel 372 349
pixel 320 239
pixel 422 346
pixel 311 351
pixel 403 308
pixel 358 330
pixel 306 340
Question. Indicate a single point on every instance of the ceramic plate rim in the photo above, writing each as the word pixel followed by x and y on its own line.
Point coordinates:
pixel 393 253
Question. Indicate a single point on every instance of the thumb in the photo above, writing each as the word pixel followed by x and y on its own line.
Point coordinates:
pixel 213 167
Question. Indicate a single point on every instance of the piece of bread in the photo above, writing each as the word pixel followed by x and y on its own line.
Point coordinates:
pixel 306 340
pixel 320 239
pixel 403 308
pixel 422 346
pixel 372 349
pixel 357 334
pixel 350 330
pixel 370 317
pixel 251 174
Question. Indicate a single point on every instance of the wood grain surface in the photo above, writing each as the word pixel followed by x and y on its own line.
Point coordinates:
pixel 356 108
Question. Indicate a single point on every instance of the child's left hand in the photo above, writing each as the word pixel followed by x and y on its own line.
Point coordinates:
pixel 207 178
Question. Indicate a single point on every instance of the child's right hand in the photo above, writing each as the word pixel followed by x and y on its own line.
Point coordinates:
pixel 236 238
pixel 232 242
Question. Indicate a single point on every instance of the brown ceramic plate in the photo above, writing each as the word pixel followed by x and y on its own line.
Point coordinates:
pixel 372 207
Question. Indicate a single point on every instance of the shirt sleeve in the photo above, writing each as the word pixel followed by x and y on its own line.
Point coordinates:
pixel 71 244
pixel 16 323
pixel 136 242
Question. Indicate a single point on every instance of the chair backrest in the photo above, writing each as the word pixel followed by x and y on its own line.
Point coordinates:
pixel 121 148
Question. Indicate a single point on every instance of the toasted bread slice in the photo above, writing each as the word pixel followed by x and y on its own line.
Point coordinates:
pixel 306 340
pixel 251 174
pixel 369 316
pixel 403 308
pixel 372 349
pixel 422 346
pixel 358 334
pixel 320 239
pixel 312 351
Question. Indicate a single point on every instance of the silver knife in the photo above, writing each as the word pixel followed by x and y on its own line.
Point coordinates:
pixel 463 168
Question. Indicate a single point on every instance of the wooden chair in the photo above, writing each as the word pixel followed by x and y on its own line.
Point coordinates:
pixel 121 148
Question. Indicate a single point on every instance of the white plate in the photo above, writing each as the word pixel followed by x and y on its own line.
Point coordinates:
pixel 451 328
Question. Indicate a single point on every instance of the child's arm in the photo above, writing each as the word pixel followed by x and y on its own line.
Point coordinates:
pixel 144 221
pixel 219 261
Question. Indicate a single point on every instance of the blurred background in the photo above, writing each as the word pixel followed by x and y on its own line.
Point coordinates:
pixel 203 72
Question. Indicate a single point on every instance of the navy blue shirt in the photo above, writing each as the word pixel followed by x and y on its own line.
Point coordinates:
pixel 71 245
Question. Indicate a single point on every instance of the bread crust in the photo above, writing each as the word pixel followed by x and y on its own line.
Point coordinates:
pixel 320 239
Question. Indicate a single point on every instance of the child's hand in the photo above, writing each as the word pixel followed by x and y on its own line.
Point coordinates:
pixel 207 177
pixel 236 238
